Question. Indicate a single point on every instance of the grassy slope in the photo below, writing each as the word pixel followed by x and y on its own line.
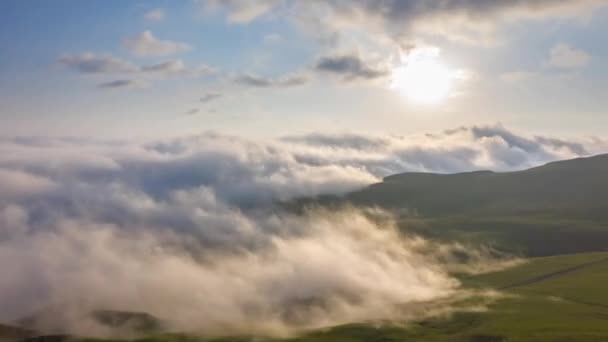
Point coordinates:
pixel 571 188
pixel 568 307
pixel 535 212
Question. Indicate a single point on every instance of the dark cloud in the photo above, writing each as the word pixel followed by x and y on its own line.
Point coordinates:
pixel 118 84
pixel 89 63
pixel 574 147
pixel 403 21
pixel 345 140
pixel 209 97
pixel 174 66
pixel 192 111
pixel 285 81
pixel 349 67
pixel 93 64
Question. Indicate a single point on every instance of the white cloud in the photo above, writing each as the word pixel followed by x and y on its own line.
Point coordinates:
pixel 184 229
pixel 157 14
pixel 146 44
pixel 242 11
pixel 567 57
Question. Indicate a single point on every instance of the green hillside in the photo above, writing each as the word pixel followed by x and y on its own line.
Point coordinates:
pixel 571 188
pixel 558 208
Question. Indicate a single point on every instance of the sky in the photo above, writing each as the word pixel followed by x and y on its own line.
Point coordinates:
pixel 124 69
pixel 149 143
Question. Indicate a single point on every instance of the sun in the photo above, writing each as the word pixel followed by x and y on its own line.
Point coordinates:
pixel 423 80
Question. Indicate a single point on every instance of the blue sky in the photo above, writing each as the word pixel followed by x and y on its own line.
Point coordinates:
pixel 257 68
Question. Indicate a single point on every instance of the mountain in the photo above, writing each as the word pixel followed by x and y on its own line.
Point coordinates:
pixel 570 188
pixel 557 208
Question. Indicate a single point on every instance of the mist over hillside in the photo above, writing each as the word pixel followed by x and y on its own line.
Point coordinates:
pixel 186 230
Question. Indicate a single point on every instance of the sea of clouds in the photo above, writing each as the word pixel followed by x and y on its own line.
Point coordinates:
pixel 185 229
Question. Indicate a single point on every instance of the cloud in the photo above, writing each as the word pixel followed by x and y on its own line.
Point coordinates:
pixel 93 64
pixel 209 97
pixel 146 44
pixel 272 38
pixel 19 184
pixel 124 83
pixel 186 230
pixel 516 76
pixel 242 11
pixel 349 67
pixel 285 81
pixel 565 56
pixel 157 14
pixel 459 150
pixel 89 63
pixel 167 68
pixel 343 140
pixel 404 21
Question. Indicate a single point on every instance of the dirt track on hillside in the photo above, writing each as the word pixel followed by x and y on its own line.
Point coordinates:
pixel 553 274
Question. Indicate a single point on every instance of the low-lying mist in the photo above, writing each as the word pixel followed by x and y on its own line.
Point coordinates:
pixel 187 230
pixel 279 273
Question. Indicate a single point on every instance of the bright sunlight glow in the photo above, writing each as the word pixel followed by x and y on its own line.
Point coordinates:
pixel 423 80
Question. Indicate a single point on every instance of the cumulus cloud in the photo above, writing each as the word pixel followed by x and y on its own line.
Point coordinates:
pixel 349 67
pixel 285 81
pixel 146 44
pixel 567 57
pixel 457 150
pixel 185 229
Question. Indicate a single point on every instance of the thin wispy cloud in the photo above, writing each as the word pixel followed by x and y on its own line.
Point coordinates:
pixel 96 64
pixel 565 56
pixel 157 14
pixel 146 44
pixel 210 97
pixel 285 81
pixel 126 83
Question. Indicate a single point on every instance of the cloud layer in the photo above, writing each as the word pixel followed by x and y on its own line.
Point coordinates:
pixel 185 229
